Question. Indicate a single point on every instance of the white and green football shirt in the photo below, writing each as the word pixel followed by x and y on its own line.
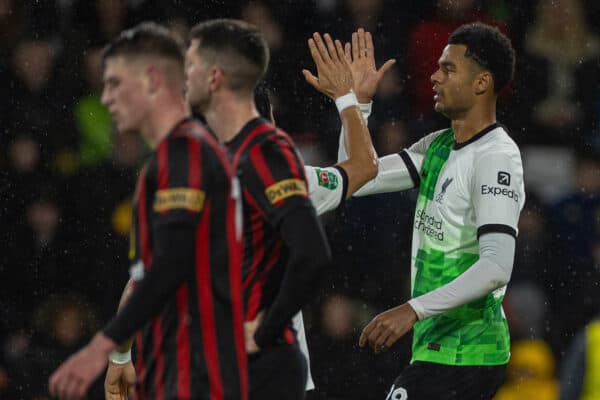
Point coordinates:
pixel 465 190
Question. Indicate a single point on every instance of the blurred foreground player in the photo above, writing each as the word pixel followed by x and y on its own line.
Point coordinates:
pixel 186 248
pixel 471 192
pixel 285 247
pixel 328 186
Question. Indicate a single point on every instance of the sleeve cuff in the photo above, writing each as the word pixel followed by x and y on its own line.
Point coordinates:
pixel 412 170
pixel 496 228
pixel 344 176
pixel 365 109
pixel 418 308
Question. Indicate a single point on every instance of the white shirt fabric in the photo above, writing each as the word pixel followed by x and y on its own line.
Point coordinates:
pixel 480 191
pixel 326 188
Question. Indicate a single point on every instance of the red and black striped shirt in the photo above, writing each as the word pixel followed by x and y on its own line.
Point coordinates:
pixel 271 173
pixel 187 252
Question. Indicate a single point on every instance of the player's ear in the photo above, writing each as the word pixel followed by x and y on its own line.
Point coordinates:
pixel 483 82
pixel 155 78
pixel 216 78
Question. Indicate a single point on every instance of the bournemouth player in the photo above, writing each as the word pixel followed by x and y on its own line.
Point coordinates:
pixel 328 186
pixel 186 248
pixel 285 246
pixel 471 192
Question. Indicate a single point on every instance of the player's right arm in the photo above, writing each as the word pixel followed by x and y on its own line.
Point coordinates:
pixel 329 186
pixel 400 171
pixel 172 244
pixel 394 172
pixel 119 382
pixel 177 205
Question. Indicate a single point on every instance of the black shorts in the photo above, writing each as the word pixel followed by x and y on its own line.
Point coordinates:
pixel 278 373
pixel 426 381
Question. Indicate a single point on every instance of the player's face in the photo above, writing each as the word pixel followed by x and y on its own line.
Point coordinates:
pixel 197 79
pixel 453 82
pixel 124 93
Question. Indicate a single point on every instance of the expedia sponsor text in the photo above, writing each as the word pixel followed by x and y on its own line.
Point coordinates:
pixel 498 191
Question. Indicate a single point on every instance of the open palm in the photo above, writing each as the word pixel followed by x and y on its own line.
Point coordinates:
pixel 361 57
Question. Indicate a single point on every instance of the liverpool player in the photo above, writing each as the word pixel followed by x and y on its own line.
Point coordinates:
pixel 186 248
pixel 471 192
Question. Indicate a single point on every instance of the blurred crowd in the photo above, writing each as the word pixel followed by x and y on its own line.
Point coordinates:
pixel 66 176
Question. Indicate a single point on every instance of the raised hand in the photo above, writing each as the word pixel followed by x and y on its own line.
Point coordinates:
pixel 119 383
pixel 361 57
pixel 334 75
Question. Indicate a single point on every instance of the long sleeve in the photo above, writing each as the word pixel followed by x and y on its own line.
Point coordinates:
pixel 490 272
pixel 309 253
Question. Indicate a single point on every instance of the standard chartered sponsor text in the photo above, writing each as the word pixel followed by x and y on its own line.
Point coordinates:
pixel 429 225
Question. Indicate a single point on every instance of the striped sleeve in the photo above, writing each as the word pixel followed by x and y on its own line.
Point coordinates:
pixel 277 180
pixel 180 188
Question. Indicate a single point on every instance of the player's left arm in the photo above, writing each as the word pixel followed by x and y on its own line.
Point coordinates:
pixel 497 194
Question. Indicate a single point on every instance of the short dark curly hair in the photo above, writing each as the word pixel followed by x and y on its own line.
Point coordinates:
pixel 489 48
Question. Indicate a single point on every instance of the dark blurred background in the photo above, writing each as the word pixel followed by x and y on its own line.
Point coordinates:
pixel 66 176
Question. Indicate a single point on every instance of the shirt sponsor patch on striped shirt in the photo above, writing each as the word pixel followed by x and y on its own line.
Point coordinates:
pixel 286 188
pixel 179 198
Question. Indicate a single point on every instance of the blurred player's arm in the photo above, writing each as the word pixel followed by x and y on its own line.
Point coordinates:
pixel 309 253
pixel 173 233
pixel 174 245
pixel 119 382
pixel 74 376
pixel 127 292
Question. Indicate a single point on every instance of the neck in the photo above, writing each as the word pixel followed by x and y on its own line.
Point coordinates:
pixel 228 113
pixel 473 122
pixel 163 119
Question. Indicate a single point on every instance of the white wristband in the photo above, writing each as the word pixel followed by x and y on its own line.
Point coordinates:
pixel 345 101
pixel 365 109
pixel 120 358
